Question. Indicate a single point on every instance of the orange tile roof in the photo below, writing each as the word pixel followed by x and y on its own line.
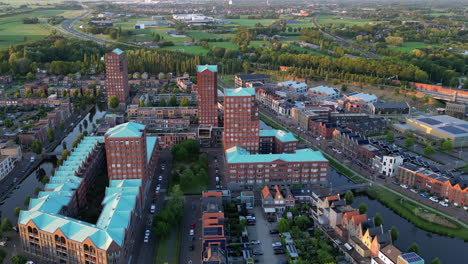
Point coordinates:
pixel 358 219
pixel 333 197
pixel 350 214
pixel 278 192
pixel 265 192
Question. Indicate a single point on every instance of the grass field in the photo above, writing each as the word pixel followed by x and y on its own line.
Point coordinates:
pixel 166 245
pixel 251 22
pixel 226 45
pixel 309 51
pixel 202 35
pixel 13 31
pixel 197 50
pixel 409 46
pixel 336 20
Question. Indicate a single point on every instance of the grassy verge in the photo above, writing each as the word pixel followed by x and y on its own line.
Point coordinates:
pixel 406 209
pixel 346 172
pixel 163 247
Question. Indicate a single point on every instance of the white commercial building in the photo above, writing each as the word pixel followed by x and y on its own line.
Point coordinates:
pixel 297 87
pixel 387 165
pixel 324 91
pixel 362 98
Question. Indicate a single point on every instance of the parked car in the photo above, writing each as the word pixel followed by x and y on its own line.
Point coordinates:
pixel 192 232
pixel 279 251
pixel 414 191
pixel 257 252
pixel 147 232
pixel 395 182
pixel 274 231
pixel 381 177
pixel 160 178
pixel 423 195
pixel 192 226
pixel 404 186
pixel 146 239
pixel 276 244
pixel 255 242
pixel 434 199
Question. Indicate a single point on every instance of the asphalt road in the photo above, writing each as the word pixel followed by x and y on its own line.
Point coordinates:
pixel 145 251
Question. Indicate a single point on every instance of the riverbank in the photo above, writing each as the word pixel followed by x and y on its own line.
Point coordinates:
pixel 411 212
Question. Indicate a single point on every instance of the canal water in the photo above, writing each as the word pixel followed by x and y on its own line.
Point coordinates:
pixel 27 186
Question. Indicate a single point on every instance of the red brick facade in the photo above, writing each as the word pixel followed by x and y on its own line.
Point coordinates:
pixel 207 89
pixel 117 76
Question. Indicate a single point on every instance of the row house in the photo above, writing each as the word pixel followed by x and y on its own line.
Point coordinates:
pixel 240 80
pixel 31 102
pixel 161 112
pixel 454 189
pixel 280 200
pixel 213 235
pixel 354 146
pixel 302 166
pixel 303 116
pixel 322 128
pixel 168 140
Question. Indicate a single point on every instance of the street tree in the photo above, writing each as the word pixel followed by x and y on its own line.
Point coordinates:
pixel 436 261
pixel 429 150
pixel 413 248
pixel 18 259
pixel 302 222
pixel 378 220
pixel 409 142
pixel 17 211
pixel 36 146
pixel 6 224
pixel 283 225
pixel 349 197
pixel 390 136
pixel 363 208
pixel 114 102
pixel 394 233
pixel 447 145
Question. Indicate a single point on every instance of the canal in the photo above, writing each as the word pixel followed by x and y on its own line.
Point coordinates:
pixel 448 250
pixel 27 186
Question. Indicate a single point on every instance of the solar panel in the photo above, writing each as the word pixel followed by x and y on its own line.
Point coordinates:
pixel 453 130
pixel 430 121
pixel 411 257
pixel 464 126
pixel 211 231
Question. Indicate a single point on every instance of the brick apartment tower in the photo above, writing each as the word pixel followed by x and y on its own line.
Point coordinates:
pixel 117 76
pixel 126 152
pixel 207 89
pixel 241 122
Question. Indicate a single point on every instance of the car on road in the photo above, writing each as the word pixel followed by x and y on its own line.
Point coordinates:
pixel 160 178
pixel 192 232
pixel 274 231
pixel 255 242
pixel 404 186
pixel 146 239
pixel 147 232
pixel 423 195
pixel 192 226
pixel 395 182
pixel 279 251
pixel 257 252
pixel 381 177
pixel 413 191
pixel 434 199
pixel 153 209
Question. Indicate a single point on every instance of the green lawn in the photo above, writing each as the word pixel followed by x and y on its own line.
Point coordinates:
pixel 338 20
pixel 163 246
pixel 409 46
pixel 197 50
pixel 226 45
pixel 251 22
pixel 196 34
pixel 309 51
pixel 228 79
pixel 13 31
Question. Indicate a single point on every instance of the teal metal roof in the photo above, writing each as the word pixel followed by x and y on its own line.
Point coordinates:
pixel 211 68
pixel 279 134
pixel 239 92
pixel 118 51
pixel 125 130
pixel 118 204
pixel 240 155
pixel 150 144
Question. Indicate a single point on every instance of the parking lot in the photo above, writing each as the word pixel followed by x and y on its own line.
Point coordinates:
pixel 261 232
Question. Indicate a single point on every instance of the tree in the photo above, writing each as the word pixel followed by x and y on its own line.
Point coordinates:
pixel 142 103
pixel 344 88
pixel 50 134
pixel 2 255
pixel 363 208
pixel 27 200
pixel 17 212
pixel 413 248
pixel 36 146
pixel 394 233
pixel 378 220
pixel 283 225
pixel 394 41
pixel 246 66
pixel 6 225
pixel 176 205
pixel 45 180
pixel 65 154
pixel 37 190
pixel 114 102
pixel 18 259
pixel 173 101
pixel 409 142
pixel 429 150
pixel 184 102
pixel 62 125
pixel 8 123
pixel 390 136
pixel 436 261
pixel 162 103
pixel 302 222
pixel 447 145
pixel 349 197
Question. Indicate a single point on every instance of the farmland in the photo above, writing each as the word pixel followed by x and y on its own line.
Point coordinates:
pixel 13 31
pixel 347 22
pixel 409 46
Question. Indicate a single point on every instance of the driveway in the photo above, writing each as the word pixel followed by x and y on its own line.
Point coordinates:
pixel 261 232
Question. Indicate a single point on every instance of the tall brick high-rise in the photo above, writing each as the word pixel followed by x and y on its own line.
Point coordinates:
pixel 129 152
pixel 241 122
pixel 207 89
pixel 117 76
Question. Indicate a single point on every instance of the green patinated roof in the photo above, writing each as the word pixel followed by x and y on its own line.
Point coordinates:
pixel 240 155
pixel 279 134
pixel 150 144
pixel 118 204
pixel 212 68
pixel 129 130
pixel 239 92
pixel 118 51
